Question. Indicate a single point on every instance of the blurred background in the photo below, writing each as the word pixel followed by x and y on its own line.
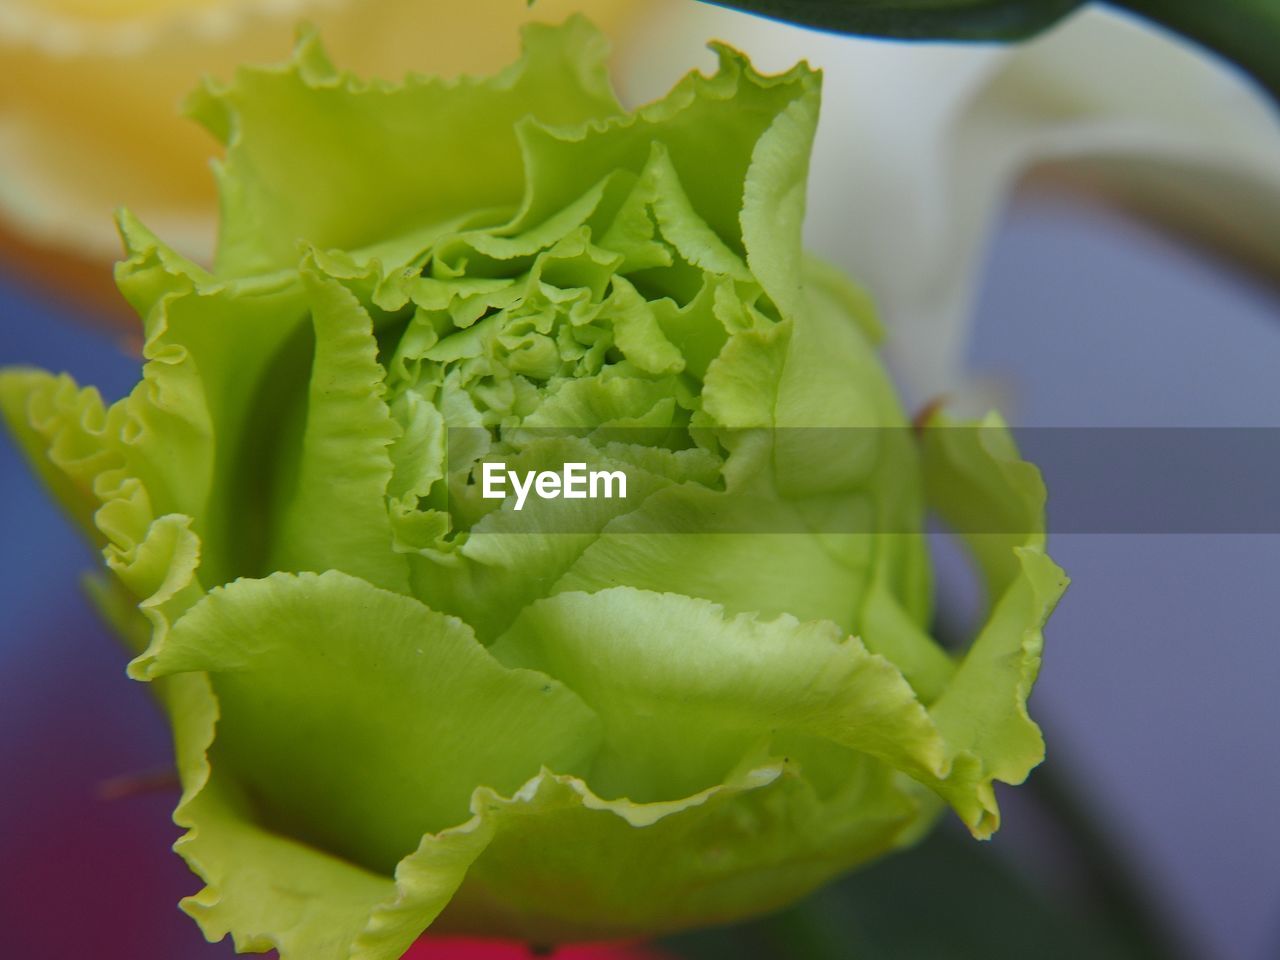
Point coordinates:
pixel 1084 231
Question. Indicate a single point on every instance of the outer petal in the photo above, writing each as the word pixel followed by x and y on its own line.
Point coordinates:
pixel 216 353
pixel 614 868
pixel 726 116
pixel 686 693
pixel 976 481
pixel 265 889
pixel 773 201
pixel 311 668
pixel 316 155
pixel 63 431
pixel 83 451
pixel 331 510
pixel 320 686
pixel 709 544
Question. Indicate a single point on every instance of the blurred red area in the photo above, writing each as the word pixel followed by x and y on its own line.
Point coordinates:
pixel 452 949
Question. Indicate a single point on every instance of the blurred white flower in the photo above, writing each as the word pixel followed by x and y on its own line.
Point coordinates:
pixel 921 145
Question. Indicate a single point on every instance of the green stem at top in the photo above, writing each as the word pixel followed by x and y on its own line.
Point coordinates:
pixel 1246 32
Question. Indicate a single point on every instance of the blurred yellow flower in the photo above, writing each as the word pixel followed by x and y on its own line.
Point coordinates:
pixel 89 108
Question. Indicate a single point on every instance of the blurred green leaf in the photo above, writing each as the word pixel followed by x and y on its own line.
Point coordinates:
pixel 917 19
pixel 1073 893
pixel 948 897
pixel 1244 31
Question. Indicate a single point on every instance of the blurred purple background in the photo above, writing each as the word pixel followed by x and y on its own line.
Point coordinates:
pixel 1161 684
pixel 80 875
pixel 1158 695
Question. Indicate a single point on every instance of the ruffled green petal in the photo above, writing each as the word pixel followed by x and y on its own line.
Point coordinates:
pixel 724 116
pixel 993 498
pixel 80 448
pixel 979 484
pixel 509 558
pixel 380 167
pixel 323 677
pixel 745 553
pixel 63 431
pixel 320 778
pixel 765 836
pixel 331 493
pixel 685 692
pixel 264 888
pixel 195 435
pixel 773 199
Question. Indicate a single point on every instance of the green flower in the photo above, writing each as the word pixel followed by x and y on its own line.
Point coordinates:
pixel 398 704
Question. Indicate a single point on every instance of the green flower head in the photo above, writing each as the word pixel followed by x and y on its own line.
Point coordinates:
pixel 399 703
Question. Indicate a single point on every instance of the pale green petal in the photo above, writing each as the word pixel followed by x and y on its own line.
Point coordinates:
pixel 379 166
pixel 80 450
pixel 773 200
pixel 217 355
pixel 289 669
pixel 510 558
pixel 332 510
pixel 975 479
pixel 977 482
pixel 724 116
pixel 741 384
pixel 264 888
pixel 321 682
pixel 983 711
pixel 686 693
pixel 748 554
pixel 63 431
pixel 764 837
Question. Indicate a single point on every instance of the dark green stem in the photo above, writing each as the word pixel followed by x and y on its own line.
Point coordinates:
pixel 1116 891
pixel 1246 32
